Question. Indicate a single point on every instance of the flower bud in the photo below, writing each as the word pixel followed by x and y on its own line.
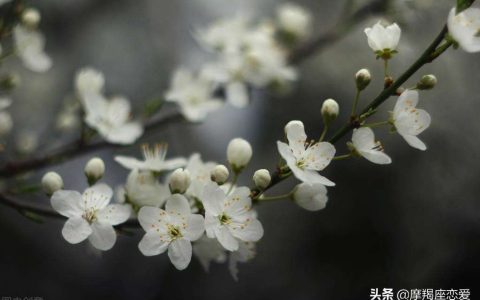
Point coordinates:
pixel 239 153
pixel 427 82
pixel 362 79
pixel 31 17
pixel 6 123
pixel 52 182
pixel 262 178
pixel 94 170
pixel 179 181
pixel 219 174
pixel 329 110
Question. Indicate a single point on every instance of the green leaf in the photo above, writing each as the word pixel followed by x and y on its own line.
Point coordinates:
pixel 463 4
pixel 31 216
pixel 152 106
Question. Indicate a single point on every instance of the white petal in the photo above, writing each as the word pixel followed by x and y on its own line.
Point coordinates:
pixel 237 94
pixel 67 203
pixel 212 198
pixel 407 100
pixel 310 176
pixel 178 204
pixel 180 253
pixel 151 244
pixel 211 224
pixel 150 217
pixel 415 142
pixel 252 232
pixel 226 238
pixel 286 153
pixel 377 157
pixel 76 230
pixel 195 227
pixel 118 111
pixel 174 163
pixel 125 134
pixel 114 214
pixel 296 136
pixel 311 197
pixel 393 32
pixel 5 102
pixel 130 162
pixel 318 156
pixel 97 196
pixel 363 138
pixel 103 236
pixel 36 60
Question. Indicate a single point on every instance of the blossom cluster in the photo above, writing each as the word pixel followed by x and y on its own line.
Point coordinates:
pixel 188 207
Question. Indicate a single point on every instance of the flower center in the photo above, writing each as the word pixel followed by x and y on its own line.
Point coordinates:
pixel 90 215
pixel 224 219
pixel 174 232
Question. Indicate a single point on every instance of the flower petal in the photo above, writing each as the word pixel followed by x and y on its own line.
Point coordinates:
pixel 296 136
pixel 318 156
pixel 180 253
pixel 103 236
pixel 97 196
pixel 195 227
pixel 114 214
pixel 252 232
pixel 237 94
pixel 226 238
pixel 67 203
pixel 415 142
pixel 150 217
pixel 152 244
pixel 76 230
pixel 125 134
pixel 177 204
pixel 212 198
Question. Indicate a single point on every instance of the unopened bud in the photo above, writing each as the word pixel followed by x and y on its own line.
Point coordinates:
pixel 31 17
pixel 94 170
pixel 219 174
pixel 262 178
pixel 427 82
pixel 239 153
pixel 362 79
pixel 52 182
pixel 179 181
pixel 330 110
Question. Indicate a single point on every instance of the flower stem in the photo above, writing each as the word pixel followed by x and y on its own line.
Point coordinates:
pixel 234 181
pixel 341 157
pixel 324 132
pixel 376 124
pixel 274 198
pixel 385 67
pixel 355 102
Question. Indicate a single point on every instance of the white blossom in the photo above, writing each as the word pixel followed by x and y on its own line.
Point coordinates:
pixel 246 251
pixel 173 228
pixel 311 197
pixel 193 94
pixel 90 215
pixel 294 19
pixel 89 81
pixel 254 59
pixel 239 153
pixel 111 118
pixel 143 189
pixel 153 160
pixel 410 121
pixel 383 39
pixel 363 142
pixel 200 173
pixel 225 34
pixel 229 217
pixel 31 17
pixel 305 159
pixel 29 45
pixel 465 28
pixel 52 182
pixel 208 250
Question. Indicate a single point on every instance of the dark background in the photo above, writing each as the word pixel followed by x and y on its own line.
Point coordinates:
pixel 412 224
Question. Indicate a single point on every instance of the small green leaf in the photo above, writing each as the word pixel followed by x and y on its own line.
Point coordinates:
pixel 153 106
pixel 463 4
pixel 31 216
